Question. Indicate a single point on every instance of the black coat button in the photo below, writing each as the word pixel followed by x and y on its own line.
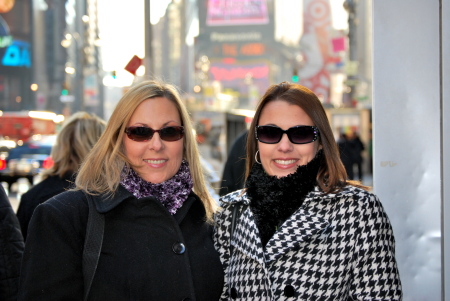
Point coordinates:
pixel 178 248
pixel 233 293
pixel 289 291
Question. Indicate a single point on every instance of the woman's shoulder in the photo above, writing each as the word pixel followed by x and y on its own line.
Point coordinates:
pixel 67 201
pixel 67 211
pixel 345 192
pixel 349 197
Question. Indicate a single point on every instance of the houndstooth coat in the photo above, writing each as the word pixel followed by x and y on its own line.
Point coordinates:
pixel 334 247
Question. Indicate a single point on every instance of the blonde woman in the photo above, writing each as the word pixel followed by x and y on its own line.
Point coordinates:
pixel 145 178
pixel 74 141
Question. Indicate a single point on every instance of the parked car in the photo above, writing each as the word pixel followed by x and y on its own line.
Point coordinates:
pixel 27 160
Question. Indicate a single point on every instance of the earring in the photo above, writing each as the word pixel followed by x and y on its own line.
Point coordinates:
pixel 256 157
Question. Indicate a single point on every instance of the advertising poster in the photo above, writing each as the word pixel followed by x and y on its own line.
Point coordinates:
pixel 316 44
pixel 237 12
pixel 14 52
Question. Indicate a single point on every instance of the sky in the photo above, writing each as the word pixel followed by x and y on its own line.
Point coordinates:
pixel 122 27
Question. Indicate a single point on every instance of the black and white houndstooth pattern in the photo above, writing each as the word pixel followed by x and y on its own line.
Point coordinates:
pixel 334 247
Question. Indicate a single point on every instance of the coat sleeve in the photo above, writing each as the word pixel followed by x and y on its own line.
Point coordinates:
pixel 11 249
pixel 52 261
pixel 375 274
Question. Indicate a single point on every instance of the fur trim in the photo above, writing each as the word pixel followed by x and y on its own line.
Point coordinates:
pixel 273 200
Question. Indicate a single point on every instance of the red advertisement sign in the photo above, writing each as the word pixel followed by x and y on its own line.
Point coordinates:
pixel 133 64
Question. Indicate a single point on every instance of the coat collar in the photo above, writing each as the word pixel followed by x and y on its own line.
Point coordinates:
pixel 239 196
pixel 298 228
pixel 105 203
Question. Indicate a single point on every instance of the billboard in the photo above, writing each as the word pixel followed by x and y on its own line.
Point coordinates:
pixel 236 20
pixel 315 41
pixel 15 35
pixel 249 79
pixel 237 12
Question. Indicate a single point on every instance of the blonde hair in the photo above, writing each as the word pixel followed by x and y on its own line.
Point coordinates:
pixel 73 142
pixel 100 173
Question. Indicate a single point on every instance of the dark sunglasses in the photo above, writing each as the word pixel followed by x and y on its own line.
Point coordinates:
pixel 143 133
pixel 300 134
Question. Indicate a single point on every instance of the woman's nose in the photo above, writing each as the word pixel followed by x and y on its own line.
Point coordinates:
pixel 285 145
pixel 156 143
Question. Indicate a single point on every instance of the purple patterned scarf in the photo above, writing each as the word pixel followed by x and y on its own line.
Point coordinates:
pixel 171 193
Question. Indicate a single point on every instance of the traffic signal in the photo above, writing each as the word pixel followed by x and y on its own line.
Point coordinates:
pixel 114 74
pixel 295 77
pixel 65 89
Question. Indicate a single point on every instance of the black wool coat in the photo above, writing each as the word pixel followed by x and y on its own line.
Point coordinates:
pixel 38 194
pixel 141 258
pixel 11 249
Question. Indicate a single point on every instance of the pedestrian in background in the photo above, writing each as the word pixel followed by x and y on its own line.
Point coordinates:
pixel 11 249
pixel 74 141
pixel 304 231
pixel 146 182
pixel 358 148
pixel 347 154
pixel 233 175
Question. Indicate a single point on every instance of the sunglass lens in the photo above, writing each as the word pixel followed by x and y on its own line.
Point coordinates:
pixel 171 133
pixel 302 134
pixel 140 133
pixel 269 134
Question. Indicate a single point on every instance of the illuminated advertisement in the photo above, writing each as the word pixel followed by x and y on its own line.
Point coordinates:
pixel 238 75
pixel 237 12
pixel 14 52
pixel 5 37
pixel 229 21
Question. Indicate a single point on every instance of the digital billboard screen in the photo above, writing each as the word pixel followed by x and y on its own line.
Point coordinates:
pixel 237 12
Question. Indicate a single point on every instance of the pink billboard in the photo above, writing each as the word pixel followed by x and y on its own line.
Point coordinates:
pixel 237 12
pixel 234 75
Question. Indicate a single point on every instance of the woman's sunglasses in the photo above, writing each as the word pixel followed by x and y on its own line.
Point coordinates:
pixel 300 134
pixel 143 133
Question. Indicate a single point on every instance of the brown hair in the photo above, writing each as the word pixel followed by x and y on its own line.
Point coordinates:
pixel 101 171
pixel 332 175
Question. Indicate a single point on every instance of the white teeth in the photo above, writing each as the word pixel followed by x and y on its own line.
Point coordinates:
pixel 155 161
pixel 285 162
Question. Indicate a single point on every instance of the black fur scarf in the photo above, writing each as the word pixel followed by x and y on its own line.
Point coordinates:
pixel 273 200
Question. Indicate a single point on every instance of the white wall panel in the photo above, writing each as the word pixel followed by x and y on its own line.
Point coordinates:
pixel 407 137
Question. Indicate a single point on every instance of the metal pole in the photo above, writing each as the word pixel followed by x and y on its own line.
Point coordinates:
pixel 350 6
pixel 148 59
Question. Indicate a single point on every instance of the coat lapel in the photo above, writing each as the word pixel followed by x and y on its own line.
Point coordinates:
pixel 300 227
pixel 246 237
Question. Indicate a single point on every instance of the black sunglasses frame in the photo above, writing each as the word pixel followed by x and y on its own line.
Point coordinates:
pixel 288 132
pixel 149 132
